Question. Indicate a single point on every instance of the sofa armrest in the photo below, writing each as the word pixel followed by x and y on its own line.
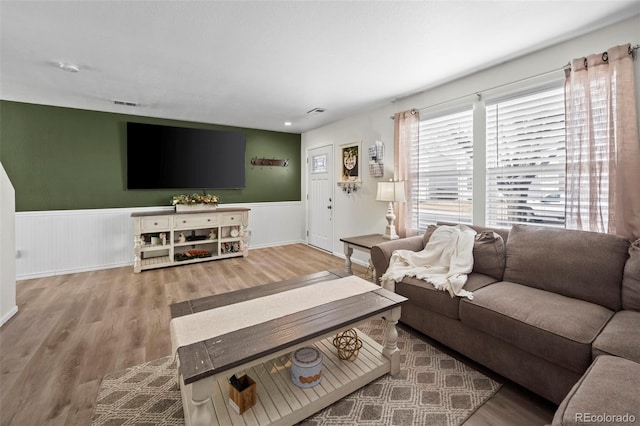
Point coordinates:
pixel 381 253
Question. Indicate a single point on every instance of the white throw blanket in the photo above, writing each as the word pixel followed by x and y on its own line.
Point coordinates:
pixel 445 261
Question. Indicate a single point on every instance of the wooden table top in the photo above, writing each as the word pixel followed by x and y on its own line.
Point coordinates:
pixel 365 241
pixel 172 212
pixel 222 353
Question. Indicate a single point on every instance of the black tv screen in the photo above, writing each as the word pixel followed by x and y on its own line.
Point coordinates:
pixel 165 157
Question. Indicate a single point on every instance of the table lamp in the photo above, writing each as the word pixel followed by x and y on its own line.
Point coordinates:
pixel 392 192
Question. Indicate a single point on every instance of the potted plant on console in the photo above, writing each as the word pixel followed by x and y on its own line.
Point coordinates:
pixel 195 202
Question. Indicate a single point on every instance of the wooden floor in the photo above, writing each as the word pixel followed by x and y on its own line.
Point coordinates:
pixel 71 330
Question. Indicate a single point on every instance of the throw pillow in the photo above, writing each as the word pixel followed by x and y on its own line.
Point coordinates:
pixel 427 234
pixel 631 278
pixel 489 254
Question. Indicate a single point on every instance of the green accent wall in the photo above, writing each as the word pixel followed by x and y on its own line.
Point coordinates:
pixel 63 158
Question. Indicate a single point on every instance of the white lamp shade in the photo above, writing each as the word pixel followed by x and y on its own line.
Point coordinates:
pixel 391 191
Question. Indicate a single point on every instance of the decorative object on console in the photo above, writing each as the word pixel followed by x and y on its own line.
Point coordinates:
pixel 350 176
pixel 191 254
pixel 181 238
pixel 391 192
pixel 194 237
pixel 213 234
pixel 347 344
pixel 195 202
pixel 231 247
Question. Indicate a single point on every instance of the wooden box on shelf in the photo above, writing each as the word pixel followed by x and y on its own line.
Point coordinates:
pixel 242 400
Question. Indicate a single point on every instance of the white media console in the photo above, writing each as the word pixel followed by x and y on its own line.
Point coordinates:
pixel 177 238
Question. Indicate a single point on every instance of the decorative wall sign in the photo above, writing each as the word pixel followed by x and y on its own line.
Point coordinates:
pixel 350 171
pixel 350 162
pixel 269 162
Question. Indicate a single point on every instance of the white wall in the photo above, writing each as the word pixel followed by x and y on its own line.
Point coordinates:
pixel 68 241
pixel 8 306
pixel 359 213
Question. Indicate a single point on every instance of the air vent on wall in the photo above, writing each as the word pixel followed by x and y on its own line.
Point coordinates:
pixel 127 103
pixel 316 111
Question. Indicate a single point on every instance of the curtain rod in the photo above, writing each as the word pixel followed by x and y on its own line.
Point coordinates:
pixel 477 93
pixel 567 66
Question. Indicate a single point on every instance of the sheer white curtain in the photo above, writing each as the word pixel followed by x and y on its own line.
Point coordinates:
pixel 406 132
pixel 603 150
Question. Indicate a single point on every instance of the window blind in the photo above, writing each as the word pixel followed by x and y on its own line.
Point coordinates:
pixel 442 169
pixel 526 159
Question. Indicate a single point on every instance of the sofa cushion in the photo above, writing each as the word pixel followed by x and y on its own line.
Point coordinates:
pixel 424 295
pixel 620 337
pixel 608 388
pixel 579 264
pixel 554 327
pixel 489 254
pixel 631 279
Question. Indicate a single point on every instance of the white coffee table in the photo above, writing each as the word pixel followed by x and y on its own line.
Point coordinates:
pixel 261 349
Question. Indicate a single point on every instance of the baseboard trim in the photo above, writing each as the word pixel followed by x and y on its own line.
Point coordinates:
pixel 6 317
pixel 61 242
pixel 71 271
pixel 281 243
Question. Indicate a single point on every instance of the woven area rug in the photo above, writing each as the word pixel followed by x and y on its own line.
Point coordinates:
pixel 432 389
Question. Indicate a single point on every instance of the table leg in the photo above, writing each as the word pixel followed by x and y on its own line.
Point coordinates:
pixel 348 251
pixel 201 394
pixel 374 275
pixel 390 349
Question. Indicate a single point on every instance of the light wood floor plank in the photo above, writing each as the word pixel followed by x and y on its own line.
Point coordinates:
pixel 71 330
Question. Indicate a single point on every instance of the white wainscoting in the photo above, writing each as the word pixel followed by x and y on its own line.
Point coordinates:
pixel 67 241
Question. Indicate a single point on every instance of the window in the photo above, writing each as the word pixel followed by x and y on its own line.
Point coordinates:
pixel 441 168
pixel 526 159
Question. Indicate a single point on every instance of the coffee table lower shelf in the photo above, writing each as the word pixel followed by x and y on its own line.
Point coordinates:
pixel 280 402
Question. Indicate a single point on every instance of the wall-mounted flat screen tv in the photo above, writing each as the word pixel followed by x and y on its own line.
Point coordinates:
pixel 165 157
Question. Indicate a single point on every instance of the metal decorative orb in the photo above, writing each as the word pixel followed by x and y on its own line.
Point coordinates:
pixel 347 344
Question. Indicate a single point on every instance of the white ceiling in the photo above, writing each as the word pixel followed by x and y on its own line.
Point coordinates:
pixel 260 63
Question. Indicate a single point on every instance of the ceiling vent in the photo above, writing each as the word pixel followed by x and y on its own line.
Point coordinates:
pixel 316 111
pixel 68 67
pixel 127 103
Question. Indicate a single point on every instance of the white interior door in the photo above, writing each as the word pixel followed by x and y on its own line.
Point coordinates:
pixel 320 197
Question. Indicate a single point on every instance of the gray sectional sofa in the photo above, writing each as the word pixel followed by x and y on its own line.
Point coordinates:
pixel 546 303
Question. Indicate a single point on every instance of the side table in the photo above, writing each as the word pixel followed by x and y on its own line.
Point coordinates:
pixel 363 243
